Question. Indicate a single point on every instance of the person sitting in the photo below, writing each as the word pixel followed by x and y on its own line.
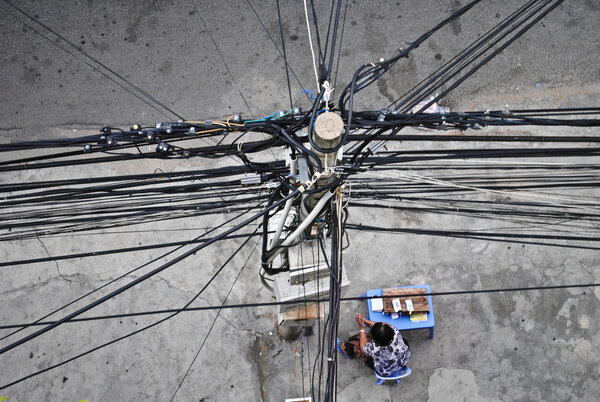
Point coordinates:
pixel 389 351
pixel 352 350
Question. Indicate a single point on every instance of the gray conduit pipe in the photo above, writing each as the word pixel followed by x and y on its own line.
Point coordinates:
pixel 286 210
pixel 309 219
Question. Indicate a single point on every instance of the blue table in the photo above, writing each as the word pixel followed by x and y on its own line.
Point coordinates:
pixel 402 323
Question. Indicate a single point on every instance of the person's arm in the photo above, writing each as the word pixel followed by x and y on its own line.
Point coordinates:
pixel 362 321
pixel 363 339
pixel 368 322
pixel 365 321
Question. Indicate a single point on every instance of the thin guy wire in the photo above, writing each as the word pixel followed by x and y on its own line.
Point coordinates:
pixel 221 56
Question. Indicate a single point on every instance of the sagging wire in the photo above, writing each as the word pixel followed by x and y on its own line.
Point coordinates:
pixel 218 313
pixel 317 300
pixel 126 274
pixel 145 276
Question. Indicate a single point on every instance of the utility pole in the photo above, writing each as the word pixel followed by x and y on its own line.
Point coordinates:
pixel 308 276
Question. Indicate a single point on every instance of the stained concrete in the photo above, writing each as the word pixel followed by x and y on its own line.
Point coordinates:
pixel 513 346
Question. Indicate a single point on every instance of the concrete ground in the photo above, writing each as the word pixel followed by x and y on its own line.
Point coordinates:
pixel 501 346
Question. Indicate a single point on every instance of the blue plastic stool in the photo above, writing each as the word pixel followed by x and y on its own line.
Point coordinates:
pixel 398 376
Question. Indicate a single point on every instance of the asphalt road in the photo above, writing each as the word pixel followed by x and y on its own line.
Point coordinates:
pixel 166 49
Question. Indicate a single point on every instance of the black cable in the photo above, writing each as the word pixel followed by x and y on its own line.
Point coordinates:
pixel 117 250
pixel 73 224
pixel 497 51
pixel 323 75
pixel 416 91
pixel 143 277
pixel 134 220
pixel 216 317
pixel 317 35
pixel 343 299
pixel 462 233
pixel 283 54
pixel 127 273
pixel 287 74
pixel 301 148
pixel 319 342
pixel 393 123
pixel 305 312
pixel 199 14
pixel 80 50
pixel 476 138
pixel 333 36
pixel 158 177
pixel 337 66
pixel 376 70
pixel 335 284
pixel 454 85
pixel 131 333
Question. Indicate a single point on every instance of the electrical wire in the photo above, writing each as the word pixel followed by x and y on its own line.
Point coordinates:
pixel 312 50
pixel 199 14
pixel 131 333
pixel 216 316
pixel 142 278
pixel 342 299
pixel 551 207
pixel 126 274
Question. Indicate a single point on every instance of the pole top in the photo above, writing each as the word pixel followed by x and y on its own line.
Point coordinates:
pixel 329 126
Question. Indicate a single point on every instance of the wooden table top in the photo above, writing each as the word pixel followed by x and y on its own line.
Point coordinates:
pixel 420 303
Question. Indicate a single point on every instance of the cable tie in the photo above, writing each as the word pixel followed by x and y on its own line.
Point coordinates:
pixel 309 183
pixel 327 90
pixel 383 114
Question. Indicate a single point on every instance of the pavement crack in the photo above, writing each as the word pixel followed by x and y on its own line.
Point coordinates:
pixel 55 262
pixel 229 322
pixel 34 286
pixel 172 286
pixel 10 128
pixel 587 269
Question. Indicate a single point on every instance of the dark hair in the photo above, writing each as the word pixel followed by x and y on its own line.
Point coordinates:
pixel 382 334
pixel 349 350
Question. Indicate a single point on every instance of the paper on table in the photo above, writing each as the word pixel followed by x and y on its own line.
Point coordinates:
pixel 377 305
pixel 397 306
pixel 418 317
pixel 409 306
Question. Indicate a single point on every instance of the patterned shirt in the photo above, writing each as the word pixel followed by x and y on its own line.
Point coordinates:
pixel 388 359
